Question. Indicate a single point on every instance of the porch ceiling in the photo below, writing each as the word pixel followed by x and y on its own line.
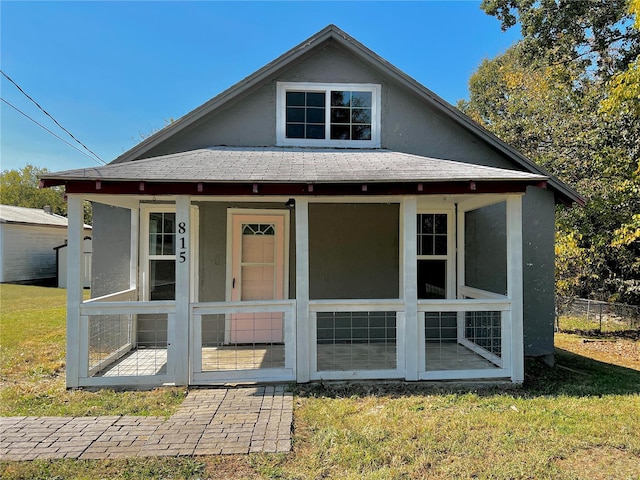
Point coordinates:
pixel 289 166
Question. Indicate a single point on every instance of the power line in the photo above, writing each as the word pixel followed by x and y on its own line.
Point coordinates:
pixel 45 128
pixel 51 117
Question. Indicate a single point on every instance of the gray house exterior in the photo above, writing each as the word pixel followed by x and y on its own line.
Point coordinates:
pixel 327 217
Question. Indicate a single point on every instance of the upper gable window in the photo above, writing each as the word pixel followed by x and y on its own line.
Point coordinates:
pixel 328 115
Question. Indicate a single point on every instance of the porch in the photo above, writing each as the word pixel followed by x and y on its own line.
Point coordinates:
pixel 456 314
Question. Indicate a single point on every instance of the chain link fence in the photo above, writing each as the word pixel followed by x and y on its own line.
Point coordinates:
pixel 581 314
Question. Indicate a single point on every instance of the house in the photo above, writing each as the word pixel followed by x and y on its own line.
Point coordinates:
pixel 327 217
pixel 28 237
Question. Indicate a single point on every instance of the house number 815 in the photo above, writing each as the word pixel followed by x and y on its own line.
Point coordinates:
pixel 182 254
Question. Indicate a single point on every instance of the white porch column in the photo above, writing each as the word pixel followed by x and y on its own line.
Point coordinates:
pixel 75 235
pixel 179 347
pixel 514 285
pixel 303 330
pixel 410 287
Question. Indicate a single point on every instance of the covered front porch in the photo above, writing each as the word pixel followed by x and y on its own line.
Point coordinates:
pixel 212 289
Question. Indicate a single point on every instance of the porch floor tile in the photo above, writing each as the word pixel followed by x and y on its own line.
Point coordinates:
pixel 453 356
pixel 330 357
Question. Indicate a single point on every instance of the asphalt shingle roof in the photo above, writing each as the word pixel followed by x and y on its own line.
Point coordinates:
pixel 35 216
pixel 293 165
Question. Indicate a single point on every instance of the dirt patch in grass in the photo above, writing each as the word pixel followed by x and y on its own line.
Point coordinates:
pixel 600 463
pixel 608 348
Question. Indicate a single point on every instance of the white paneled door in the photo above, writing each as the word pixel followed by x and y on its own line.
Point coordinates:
pixel 257 273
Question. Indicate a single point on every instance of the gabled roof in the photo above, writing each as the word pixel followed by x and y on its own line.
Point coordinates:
pixel 30 216
pixel 564 193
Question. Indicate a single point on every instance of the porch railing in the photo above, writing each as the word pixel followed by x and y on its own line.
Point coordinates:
pixel 356 339
pixel 243 341
pixel 109 332
pixel 465 338
pixel 462 338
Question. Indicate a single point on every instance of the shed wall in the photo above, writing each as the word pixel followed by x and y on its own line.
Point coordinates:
pixel 85 266
pixel 27 252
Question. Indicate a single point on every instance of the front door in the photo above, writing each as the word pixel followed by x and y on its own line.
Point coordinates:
pixel 258 258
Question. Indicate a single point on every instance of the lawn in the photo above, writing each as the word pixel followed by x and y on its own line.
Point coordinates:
pixel 32 361
pixel 577 420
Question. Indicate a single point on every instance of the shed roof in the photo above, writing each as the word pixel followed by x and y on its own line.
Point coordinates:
pixel 31 216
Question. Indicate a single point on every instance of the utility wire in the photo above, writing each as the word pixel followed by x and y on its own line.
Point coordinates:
pixel 51 117
pixel 45 128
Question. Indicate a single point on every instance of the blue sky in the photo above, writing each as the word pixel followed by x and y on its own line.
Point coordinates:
pixel 111 71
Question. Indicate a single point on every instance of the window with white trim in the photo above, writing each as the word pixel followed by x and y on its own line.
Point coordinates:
pixel 433 238
pixel 331 115
pixel 160 246
pixel 162 255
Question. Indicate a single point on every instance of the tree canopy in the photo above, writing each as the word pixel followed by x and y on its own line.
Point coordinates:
pixel 567 96
pixel 20 188
pixel 597 34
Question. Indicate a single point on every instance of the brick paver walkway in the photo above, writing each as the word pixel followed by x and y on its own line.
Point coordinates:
pixel 209 422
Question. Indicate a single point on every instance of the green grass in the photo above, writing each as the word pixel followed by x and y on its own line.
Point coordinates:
pixel 32 361
pixel 592 324
pixel 577 420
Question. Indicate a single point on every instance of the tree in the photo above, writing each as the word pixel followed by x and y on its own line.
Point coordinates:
pixel 556 113
pixel 20 188
pixel 597 34
pixel 624 87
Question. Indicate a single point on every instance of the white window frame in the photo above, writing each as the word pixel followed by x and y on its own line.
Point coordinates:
pixel 145 257
pixel 281 114
pixel 450 282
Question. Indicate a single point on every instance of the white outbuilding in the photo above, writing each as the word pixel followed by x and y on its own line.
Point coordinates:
pixel 28 237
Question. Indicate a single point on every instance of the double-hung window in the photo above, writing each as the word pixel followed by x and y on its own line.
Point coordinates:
pixel 160 245
pixel 161 272
pixel 435 249
pixel 331 115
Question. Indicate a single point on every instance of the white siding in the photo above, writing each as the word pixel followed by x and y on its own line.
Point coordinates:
pixel 86 264
pixel 27 252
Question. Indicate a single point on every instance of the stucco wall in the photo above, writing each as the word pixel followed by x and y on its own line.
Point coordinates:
pixel 111 250
pixel 349 245
pixel 213 248
pixel 353 251
pixel 485 248
pixel 538 259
